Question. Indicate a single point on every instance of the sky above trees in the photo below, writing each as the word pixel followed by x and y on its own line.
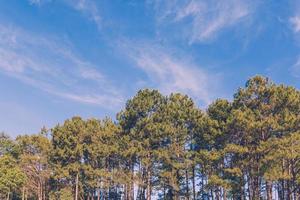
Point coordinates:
pixel 81 57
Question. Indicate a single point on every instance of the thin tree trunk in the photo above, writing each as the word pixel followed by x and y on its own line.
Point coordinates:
pixel 126 191
pixel 288 190
pixel 26 194
pixel 282 189
pixel 41 191
pixel 99 193
pixel 194 184
pixel 177 186
pixel 148 184
pixel 249 188
pixel 164 191
pixel 45 190
pixel 255 189
pixel 218 194
pixel 269 190
pixel 132 182
pixel 23 193
pixel 279 190
pixel 8 195
pixel 225 194
pixel 243 192
pixel 202 183
pixel 283 182
pixel 176 195
pixel 105 194
pixel 76 186
pixel 187 185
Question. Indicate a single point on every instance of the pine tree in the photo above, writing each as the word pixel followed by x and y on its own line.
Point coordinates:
pixel 11 177
pixel 141 130
pixel 67 154
pixel 34 157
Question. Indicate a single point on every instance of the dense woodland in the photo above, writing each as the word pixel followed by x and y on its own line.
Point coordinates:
pixel 165 147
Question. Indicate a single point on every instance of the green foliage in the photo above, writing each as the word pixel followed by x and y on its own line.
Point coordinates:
pixel 11 176
pixel 164 147
pixel 8 146
pixel 62 194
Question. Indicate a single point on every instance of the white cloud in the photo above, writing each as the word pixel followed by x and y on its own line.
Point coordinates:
pixel 88 8
pixel 203 20
pixel 170 72
pixel 52 66
pixel 295 69
pixel 38 2
pixel 295 21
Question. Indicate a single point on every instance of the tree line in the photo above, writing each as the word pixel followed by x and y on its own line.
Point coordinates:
pixel 165 147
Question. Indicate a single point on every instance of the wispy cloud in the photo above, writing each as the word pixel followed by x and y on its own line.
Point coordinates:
pixel 295 69
pixel 203 20
pixel 170 72
pixel 51 65
pixel 39 2
pixel 88 8
pixel 295 21
pixel 36 2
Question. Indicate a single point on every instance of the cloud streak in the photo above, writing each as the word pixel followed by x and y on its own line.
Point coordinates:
pixel 52 66
pixel 88 8
pixel 295 69
pixel 170 72
pixel 295 21
pixel 202 21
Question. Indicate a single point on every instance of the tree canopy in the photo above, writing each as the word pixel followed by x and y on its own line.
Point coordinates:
pixel 165 147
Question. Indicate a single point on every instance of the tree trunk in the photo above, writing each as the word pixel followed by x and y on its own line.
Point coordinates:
pixel 105 194
pixel 279 191
pixel 255 189
pixel 23 193
pixel 225 194
pixel 45 190
pixel 126 191
pixel 26 194
pixel 177 186
pixel 249 187
pixel 288 190
pixel 76 186
pixel 282 190
pixel 269 190
pixel 40 190
pixel 187 185
pixel 243 191
pixel 164 191
pixel 8 195
pixel 131 185
pixel 176 195
pixel 202 183
pixel 194 184
pixel 99 193
pixel 148 184
pixel 217 192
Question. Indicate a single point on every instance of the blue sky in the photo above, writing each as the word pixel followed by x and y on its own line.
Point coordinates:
pixel 60 58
